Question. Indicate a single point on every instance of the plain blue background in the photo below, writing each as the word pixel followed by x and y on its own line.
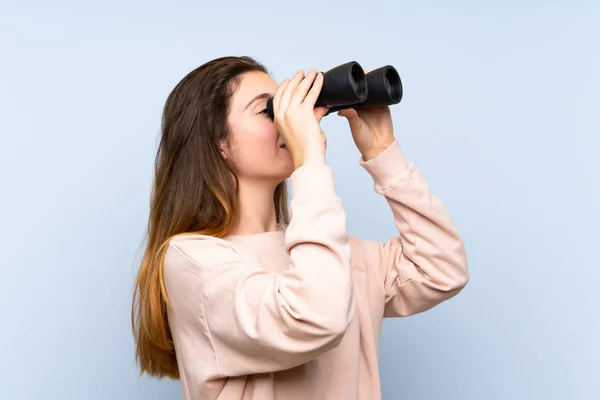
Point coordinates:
pixel 501 113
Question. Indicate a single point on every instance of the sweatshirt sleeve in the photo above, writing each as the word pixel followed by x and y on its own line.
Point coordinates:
pixel 425 264
pixel 256 320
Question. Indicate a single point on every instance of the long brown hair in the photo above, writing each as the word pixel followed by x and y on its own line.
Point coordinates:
pixel 194 191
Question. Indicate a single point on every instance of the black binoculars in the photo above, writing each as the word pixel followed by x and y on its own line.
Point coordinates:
pixel 347 86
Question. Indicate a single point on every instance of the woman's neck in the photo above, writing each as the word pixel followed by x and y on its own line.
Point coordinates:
pixel 257 209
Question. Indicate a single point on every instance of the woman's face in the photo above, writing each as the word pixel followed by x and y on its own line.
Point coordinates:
pixel 254 147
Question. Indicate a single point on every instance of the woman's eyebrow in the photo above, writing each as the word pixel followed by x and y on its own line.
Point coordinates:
pixel 259 97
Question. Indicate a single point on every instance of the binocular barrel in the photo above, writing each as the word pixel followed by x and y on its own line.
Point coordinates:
pixel 348 86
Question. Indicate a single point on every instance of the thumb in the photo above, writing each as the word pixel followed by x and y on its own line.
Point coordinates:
pixel 351 115
pixel 320 112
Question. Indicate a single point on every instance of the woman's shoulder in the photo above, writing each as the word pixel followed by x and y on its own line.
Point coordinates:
pixel 199 251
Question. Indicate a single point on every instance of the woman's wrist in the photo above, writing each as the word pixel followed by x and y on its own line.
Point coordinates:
pixel 313 153
pixel 311 159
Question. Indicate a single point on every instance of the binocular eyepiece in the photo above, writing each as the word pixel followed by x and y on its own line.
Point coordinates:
pixel 347 86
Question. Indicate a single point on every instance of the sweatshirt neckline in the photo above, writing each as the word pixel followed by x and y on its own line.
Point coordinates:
pixel 264 238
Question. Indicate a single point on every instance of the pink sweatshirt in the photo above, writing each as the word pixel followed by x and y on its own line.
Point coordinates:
pixel 297 313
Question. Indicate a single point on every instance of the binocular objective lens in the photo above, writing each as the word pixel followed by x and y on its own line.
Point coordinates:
pixel 392 84
pixel 358 80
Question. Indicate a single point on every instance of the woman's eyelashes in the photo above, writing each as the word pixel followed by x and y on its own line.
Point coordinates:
pixel 263 111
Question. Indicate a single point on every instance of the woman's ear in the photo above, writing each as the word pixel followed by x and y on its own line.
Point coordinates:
pixel 224 149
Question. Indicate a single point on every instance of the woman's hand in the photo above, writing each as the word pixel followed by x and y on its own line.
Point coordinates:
pixel 372 129
pixel 297 119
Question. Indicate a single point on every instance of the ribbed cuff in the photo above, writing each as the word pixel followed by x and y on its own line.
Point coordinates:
pixel 313 180
pixel 389 168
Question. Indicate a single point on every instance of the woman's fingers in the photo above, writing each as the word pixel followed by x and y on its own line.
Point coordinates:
pixel 289 90
pixel 277 97
pixel 315 90
pixel 303 87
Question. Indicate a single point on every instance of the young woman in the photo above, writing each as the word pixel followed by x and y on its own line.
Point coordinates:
pixel 240 299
